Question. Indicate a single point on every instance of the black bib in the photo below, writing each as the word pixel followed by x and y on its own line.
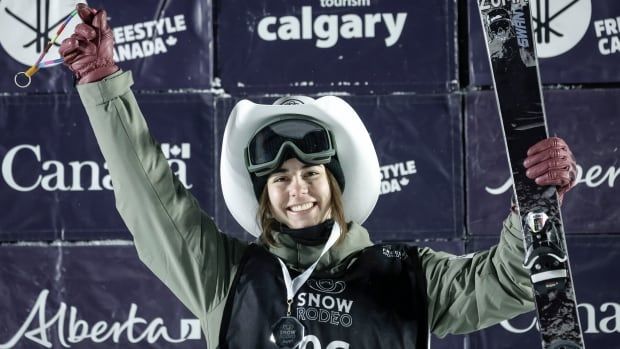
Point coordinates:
pixel 378 302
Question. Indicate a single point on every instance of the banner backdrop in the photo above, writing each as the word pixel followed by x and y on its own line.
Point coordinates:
pixel 578 41
pixel 54 183
pixel 88 297
pixel 358 46
pixel 594 261
pixel 418 141
pixel 587 120
pixel 167 45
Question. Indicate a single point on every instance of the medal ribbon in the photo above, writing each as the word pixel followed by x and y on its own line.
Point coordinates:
pixel 293 286
pixel 39 64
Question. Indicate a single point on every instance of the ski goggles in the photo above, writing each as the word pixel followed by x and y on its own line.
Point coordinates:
pixel 311 142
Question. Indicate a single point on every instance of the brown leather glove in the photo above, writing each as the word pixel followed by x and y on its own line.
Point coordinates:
pixel 550 162
pixel 89 51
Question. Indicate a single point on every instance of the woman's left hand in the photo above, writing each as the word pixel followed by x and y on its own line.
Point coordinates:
pixel 550 162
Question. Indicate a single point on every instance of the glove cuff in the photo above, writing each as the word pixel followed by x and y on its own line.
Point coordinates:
pixel 96 71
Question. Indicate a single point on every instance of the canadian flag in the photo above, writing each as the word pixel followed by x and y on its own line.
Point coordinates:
pixel 174 150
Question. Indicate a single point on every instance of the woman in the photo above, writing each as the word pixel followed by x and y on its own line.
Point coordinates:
pixel 302 175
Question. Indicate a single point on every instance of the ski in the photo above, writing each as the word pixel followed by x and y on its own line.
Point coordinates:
pixel 510 45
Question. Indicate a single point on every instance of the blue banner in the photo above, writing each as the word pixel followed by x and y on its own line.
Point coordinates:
pixel 587 120
pixel 594 259
pixel 70 296
pixel 577 42
pixel 418 141
pixel 336 45
pixel 54 183
pixel 166 45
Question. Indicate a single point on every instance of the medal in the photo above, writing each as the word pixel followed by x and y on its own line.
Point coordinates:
pixel 288 332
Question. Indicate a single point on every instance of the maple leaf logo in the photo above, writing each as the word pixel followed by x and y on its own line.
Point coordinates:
pixel 171 40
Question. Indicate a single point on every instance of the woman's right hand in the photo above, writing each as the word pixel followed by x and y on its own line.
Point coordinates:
pixel 89 51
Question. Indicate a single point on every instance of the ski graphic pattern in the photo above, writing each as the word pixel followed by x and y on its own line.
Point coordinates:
pixel 514 66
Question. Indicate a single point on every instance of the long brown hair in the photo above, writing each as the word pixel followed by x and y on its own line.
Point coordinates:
pixel 269 224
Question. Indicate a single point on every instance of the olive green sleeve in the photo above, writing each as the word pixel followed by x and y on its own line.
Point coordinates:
pixel 173 236
pixel 468 293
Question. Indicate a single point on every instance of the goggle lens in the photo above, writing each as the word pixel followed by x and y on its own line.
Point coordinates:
pixel 309 137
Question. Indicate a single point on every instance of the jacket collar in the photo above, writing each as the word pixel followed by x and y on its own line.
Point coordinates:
pixel 299 257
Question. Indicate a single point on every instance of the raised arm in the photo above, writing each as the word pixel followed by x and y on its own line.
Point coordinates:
pixel 468 293
pixel 174 238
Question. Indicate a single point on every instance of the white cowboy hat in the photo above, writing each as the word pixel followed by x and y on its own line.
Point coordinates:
pixel 355 150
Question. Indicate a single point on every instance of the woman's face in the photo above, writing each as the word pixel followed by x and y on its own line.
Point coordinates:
pixel 299 194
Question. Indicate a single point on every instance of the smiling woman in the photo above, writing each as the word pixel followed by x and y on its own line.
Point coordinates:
pixel 308 168
pixel 334 209
pixel 299 194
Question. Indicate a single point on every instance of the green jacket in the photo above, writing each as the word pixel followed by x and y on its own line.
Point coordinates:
pixel 182 245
